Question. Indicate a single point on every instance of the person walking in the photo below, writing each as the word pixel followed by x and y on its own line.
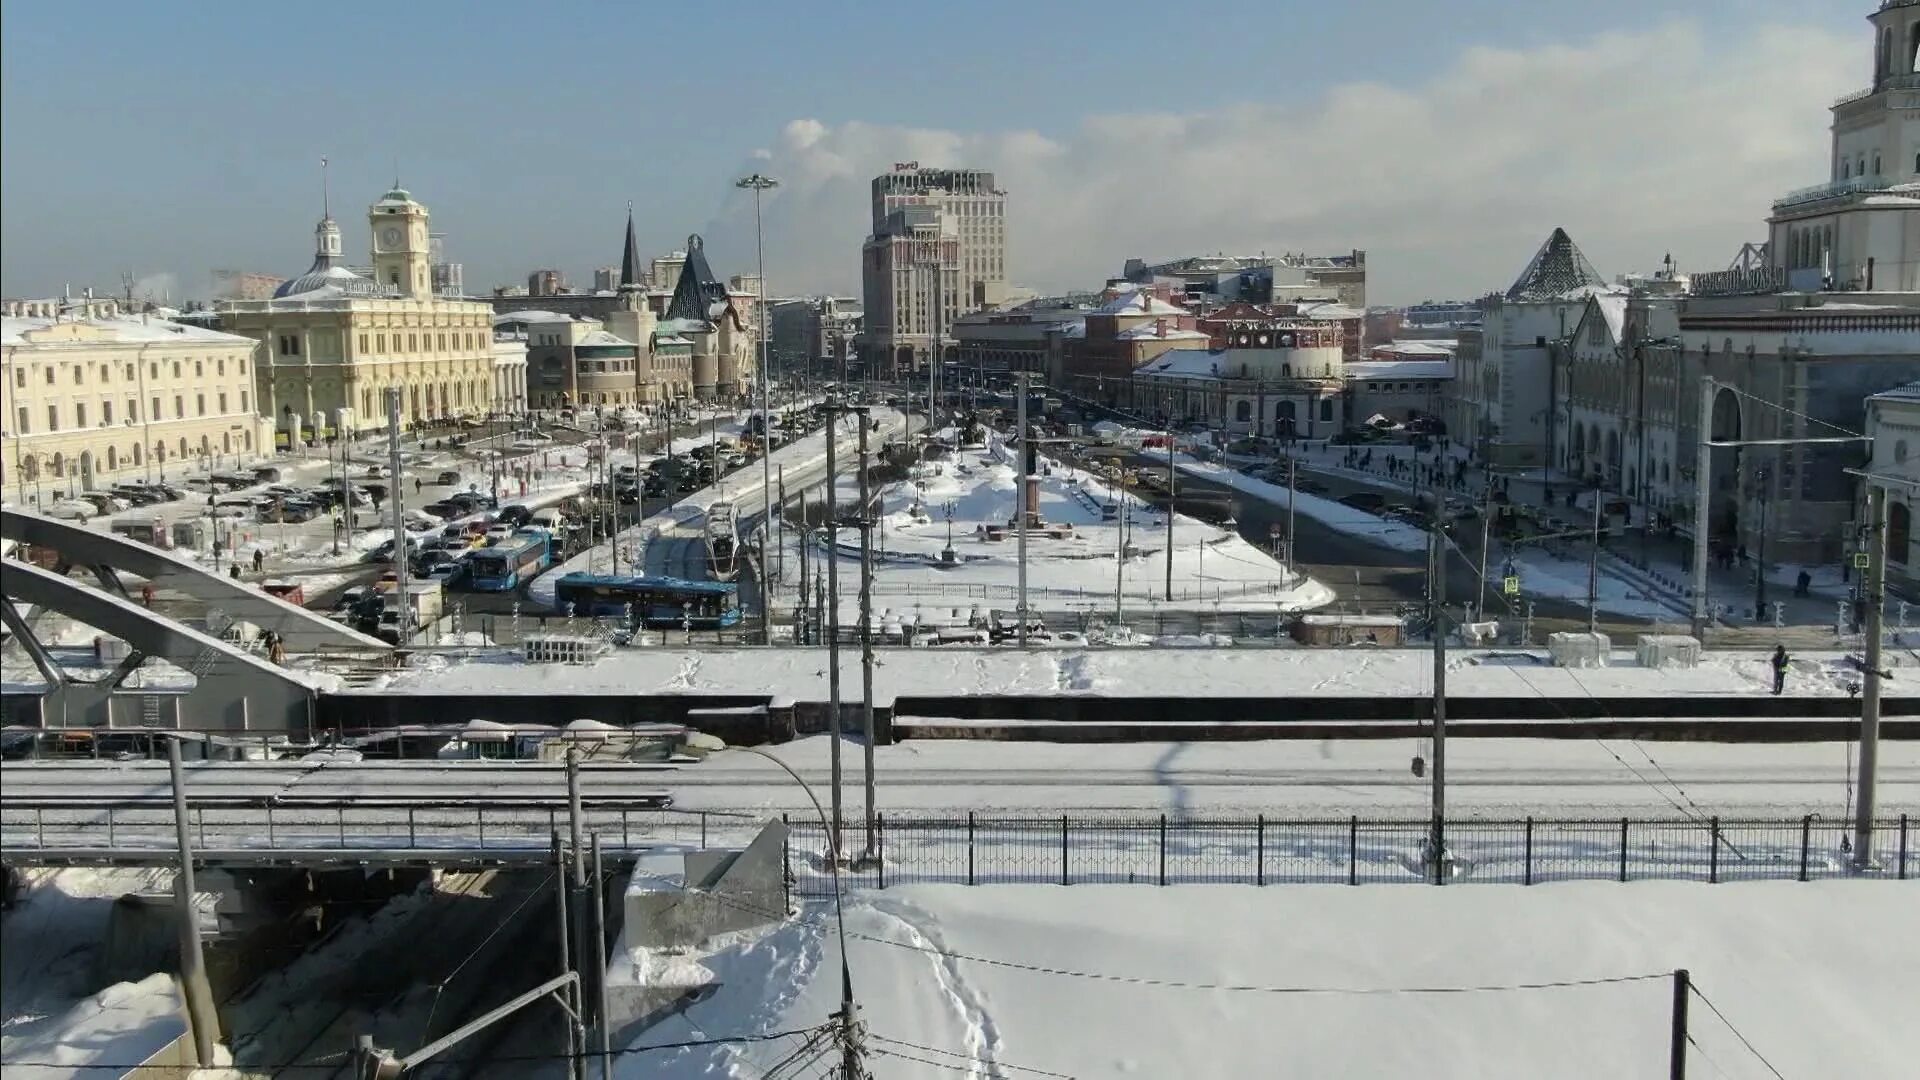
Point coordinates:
pixel 1802 583
pixel 259 560
pixel 1779 662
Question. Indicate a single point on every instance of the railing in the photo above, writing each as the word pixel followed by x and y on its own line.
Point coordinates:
pixel 1908 81
pixel 1832 189
pixel 1070 850
pixel 443 827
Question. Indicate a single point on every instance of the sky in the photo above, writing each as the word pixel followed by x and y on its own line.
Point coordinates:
pixel 1446 140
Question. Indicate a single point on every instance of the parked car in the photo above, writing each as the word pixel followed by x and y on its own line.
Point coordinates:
pixel 497 533
pixel 516 514
pixel 448 478
pixel 72 510
pixel 106 503
pixel 445 511
pixel 136 495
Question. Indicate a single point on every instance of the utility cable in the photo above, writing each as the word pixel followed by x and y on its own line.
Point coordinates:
pixel 991 1066
pixel 1704 1056
pixel 1751 1049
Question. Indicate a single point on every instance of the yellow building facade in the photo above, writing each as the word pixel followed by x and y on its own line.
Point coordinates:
pixel 332 342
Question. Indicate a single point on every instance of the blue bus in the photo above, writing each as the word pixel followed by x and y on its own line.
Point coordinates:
pixel 555 539
pixel 508 564
pixel 658 602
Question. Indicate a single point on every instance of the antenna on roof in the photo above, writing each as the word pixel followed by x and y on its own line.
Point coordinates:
pixel 326 197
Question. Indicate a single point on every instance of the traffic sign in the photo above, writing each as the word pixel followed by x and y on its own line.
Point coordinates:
pixel 1859 560
pixel 1511 586
pixel 1274 530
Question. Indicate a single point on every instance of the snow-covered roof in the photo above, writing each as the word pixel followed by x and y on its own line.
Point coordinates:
pixel 531 316
pixel 603 337
pixel 1558 271
pixel 329 281
pixel 1139 302
pixel 685 326
pixel 1411 349
pixel 1909 392
pixel 670 339
pixel 1397 369
pixel 120 328
pixel 1613 308
pixel 1328 310
pixel 1184 364
pixel 1157 332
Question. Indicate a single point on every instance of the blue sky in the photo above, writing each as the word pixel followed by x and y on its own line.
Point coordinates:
pixel 169 139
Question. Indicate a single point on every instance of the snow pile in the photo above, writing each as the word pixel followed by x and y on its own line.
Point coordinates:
pixel 125 1024
pixel 1140 981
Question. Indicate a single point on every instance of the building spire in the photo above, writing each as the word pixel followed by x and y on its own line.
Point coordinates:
pixel 630 257
pixel 326 196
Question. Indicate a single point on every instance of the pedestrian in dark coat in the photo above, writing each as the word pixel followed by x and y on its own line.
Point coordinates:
pixel 1779 662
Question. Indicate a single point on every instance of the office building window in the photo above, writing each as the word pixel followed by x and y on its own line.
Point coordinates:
pixel 53 418
pixel 21 427
pixel 79 414
pixel 179 408
pixel 243 402
pixel 106 412
pixel 200 404
pixel 222 401
pixel 153 410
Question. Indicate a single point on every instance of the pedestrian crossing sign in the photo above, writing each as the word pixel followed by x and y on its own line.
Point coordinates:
pixel 1859 560
pixel 1511 586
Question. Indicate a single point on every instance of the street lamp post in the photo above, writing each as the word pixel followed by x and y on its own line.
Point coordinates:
pixel 758 185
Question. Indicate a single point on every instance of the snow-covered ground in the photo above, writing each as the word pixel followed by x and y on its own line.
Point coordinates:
pixel 801 673
pixel 974 490
pixel 1235 981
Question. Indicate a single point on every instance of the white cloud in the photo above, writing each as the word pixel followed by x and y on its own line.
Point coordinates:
pixel 1639 144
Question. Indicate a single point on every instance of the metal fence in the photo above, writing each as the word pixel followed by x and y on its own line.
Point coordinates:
pixel 1068 850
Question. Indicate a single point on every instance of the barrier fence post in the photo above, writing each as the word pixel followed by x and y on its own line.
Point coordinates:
pixel 1623 849
pixel 703 830
pixel 969 847
pixel 1260 850
pixel 480 826
pixel 1677 1043
pixel 625 843
pixel 339 823
pixel 1526 865
pixel 1903 847
pixel 786 861
pixel 1353 850
pixel 1713 858
pixel 880 846
pixel 1806 842
pixel 1063 849
pixel 39 827
pixel 110 828
pixel 410 840
pixel 1163 849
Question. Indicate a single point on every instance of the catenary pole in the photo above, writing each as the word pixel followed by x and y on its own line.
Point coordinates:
pixel 1702 492
pixel 866 630
pixel 1873 595
pixel 1437 842
pixel 1593 567
pixel 1021 507
pixel 193 960
pixel 831 620
pixel 395 491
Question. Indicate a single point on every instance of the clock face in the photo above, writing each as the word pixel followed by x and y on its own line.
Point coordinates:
pixel 390 238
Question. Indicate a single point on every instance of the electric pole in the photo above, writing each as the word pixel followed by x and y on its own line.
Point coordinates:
pixel 1437 846
pixel 830 620
pixel 1872 594
pixel 1020 504
pixel 866 629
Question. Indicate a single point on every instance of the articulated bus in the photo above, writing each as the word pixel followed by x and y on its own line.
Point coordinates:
pixel 507 565
pixel 657 602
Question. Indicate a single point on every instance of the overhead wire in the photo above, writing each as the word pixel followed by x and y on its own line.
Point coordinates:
pixel 1744 1041
pixel 991 1066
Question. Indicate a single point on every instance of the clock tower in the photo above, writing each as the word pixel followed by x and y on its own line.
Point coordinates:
pixel 400 245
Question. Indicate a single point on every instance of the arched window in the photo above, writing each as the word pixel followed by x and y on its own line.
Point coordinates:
pixel 1286 371
pixel 139 454
pixel 1899 532
pixel 59 463
pixel 1876 164
pixel 1284 411
pixel 113 458
pixel 1846 170
pixel 1242 411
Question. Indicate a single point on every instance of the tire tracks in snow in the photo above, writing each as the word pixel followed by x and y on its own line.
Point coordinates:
pixel 983 1042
